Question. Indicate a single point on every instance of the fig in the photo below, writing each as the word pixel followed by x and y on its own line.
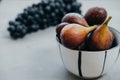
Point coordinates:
pixel 95 16
pixel 59 28
pixel 102 38
pixel 75 18
pixel 73 35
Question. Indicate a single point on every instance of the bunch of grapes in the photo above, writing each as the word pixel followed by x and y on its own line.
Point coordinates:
pixel 41 16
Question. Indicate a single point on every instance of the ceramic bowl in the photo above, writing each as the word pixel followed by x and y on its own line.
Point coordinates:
pixel 90 64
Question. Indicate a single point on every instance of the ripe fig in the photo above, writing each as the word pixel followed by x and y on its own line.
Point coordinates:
pixel 73 35
pixel 75 18
pixel 59 28
pixel 102 38
pixel 95 16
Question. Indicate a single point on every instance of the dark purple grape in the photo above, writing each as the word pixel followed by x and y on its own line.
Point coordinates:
pixel 41 13
pixel 11 28
pixel 68 8
pixel 47 9
pixel 34 27
pixel 37 17
pixel 11 23
pixel 19 17
pixel 45 3
pixel 57 5
pixel 52 5
pixel 19 28
pixel 30 20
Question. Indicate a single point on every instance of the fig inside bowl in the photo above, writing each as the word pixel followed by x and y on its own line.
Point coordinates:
pixel 91 64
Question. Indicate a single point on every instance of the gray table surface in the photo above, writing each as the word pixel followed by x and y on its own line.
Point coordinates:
pixel 36 56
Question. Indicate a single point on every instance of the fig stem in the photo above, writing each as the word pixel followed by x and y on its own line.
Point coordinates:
pixel 109 18
pixel 92 28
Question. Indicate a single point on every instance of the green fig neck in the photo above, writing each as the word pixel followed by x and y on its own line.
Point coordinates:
pixel 105 24
pixel 92 28
pixel 107 21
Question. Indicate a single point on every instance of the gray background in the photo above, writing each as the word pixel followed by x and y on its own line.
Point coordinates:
pixel 36 56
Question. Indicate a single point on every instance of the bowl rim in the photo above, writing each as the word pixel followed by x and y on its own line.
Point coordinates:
pixel 92 51
pixel 101 50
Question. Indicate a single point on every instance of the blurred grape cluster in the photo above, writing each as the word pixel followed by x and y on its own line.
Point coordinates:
pixel 41 16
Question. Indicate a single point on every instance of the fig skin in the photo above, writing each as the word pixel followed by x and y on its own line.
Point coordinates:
pixel 95 16
pixel 73 35
pixel 59 28
pixel 75 18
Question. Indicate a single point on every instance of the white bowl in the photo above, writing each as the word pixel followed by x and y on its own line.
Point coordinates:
pixel 90 64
